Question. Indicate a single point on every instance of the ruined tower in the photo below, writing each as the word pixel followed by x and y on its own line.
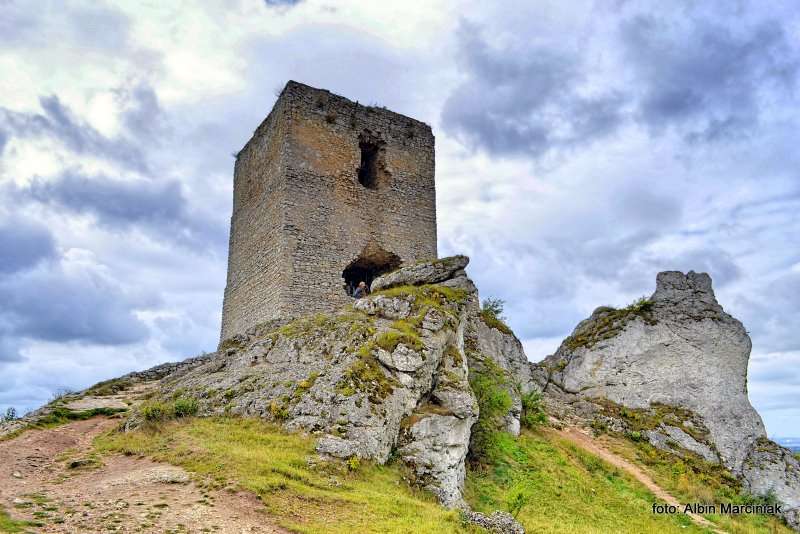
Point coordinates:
pixel 326 193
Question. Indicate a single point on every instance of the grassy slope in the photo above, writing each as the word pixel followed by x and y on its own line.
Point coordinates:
pixel 275 465
pixel 695 481
pixel 11 525
pixel 566 490
pixel 60 415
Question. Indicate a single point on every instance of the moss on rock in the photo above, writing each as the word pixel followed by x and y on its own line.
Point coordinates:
pixel 435 296
pixel 366 375
pixel 643 419
pixel 607 322
pixel 490 385
pixel 492 320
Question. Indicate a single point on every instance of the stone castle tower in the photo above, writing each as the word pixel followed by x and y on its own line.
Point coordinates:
pixel 326 193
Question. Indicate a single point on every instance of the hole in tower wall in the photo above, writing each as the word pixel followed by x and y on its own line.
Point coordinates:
pixel 367 267
pixel 370 163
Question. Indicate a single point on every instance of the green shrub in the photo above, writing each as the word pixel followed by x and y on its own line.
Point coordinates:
pixel 640 306
pixel 366 375
pixel 155 411
pixel 185 407
pixel 516 502
pixel 278 410
pixel 10 415
pixel 494 306
pixel 635 435
pixel 59 395
pixel 533 413
pixel 492 315
pixel 304 385
pixel 353 463
pixel 490 388
pixel 768 499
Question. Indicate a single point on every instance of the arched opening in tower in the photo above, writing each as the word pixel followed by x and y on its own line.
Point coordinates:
pixel 370 264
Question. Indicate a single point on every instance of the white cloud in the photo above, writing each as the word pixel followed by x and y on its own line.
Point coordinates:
pixel 158 97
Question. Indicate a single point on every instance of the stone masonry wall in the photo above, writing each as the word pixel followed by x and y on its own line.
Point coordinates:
pixel 257 260
pixel 301 215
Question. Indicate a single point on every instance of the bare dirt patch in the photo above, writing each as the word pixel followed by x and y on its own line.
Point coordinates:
pixel 51 477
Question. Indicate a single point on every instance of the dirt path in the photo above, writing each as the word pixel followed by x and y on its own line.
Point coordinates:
pixel 51 477
pixel 584 441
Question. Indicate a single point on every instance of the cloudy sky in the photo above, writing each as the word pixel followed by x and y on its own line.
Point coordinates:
pixel 581 148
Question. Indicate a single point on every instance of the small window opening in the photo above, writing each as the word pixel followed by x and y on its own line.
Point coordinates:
pixel 372 263
pixel 370 163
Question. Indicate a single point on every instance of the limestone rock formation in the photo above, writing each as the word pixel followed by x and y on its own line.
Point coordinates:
pixel 770 468
pixel 679 356
pixel 665 436
pixel 386 377
pixel 499 522
pixel 488 346
pixel 431 272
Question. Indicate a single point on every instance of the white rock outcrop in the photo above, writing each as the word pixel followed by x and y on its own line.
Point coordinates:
pixel 430 272
pixel 677 350
pixel 387 378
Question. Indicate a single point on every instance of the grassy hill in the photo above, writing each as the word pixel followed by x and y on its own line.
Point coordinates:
pixel 552 485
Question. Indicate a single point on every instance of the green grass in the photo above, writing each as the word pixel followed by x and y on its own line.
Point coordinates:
pixel 389 340
pixel 366 375
pixel 307 325
pixel 301 492
pixel 7 524
pixel 691 479
pixel 155 410
pixel 492 320
pixel 110 387
pixel 60 415
pixel 550 484
pixel 558 488
pixel 429 295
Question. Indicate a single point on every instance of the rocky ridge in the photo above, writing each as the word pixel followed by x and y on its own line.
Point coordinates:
pixel 680 361
pixel 385 377
pixel 393 376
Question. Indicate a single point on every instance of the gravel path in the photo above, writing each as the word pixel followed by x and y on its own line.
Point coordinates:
pixel 584 441
pixel 50 476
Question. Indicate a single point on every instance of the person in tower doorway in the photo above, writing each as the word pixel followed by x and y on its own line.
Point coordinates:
pixel 361 290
